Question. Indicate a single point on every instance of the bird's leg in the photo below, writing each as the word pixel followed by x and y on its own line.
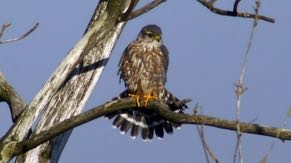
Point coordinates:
pixel 137 98
pixel 148 97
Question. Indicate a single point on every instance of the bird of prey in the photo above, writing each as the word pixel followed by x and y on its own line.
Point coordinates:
pixel 143 68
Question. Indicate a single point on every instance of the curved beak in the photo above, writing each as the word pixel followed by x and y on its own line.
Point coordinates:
pixel 158 38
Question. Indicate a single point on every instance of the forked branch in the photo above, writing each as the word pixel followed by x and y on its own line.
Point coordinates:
pixel 7 25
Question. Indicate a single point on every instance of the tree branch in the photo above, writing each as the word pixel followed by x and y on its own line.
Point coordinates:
pixel 240 88
pixel 142 10
pixel 6 26
pixel 159 107
pixel 98 41
pixel 235 5
pixel 206 147
pixel 96 45
pixel 234 13
pixel 10 96
pixel 76 83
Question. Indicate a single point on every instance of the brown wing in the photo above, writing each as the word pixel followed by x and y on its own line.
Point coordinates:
pixel 165 60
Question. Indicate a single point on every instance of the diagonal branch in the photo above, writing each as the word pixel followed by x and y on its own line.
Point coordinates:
pixel 234 13
pixel 206 147
pixel 159 107
pixel 142 10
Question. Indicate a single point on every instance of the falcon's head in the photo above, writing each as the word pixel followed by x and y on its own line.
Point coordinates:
pixel 151 35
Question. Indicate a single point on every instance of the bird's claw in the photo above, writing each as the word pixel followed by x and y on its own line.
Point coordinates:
pixel 137 98
pixel 148 97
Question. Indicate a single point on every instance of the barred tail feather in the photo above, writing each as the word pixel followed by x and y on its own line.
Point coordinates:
pixel 173 102
pixel 168 128
pixel 147 133
pixel 147 122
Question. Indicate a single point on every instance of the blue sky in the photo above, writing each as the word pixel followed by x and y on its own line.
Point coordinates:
pixel 206 52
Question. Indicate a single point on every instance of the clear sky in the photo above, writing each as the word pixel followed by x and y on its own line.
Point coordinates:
pixel 206 52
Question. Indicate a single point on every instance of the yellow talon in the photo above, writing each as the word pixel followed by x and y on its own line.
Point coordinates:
pixel 148 97
pixel 137 98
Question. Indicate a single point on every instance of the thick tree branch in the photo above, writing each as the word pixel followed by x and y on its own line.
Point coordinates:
pixel 6 26
pixel 68 85
pixel 10 96
pixel 73 92
pixel 158 106
pixel 234 13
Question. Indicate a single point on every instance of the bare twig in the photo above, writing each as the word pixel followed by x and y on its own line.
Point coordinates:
pixel 215 10
pixel 238 147
pixel 235 5
pixel 239 91
pixel 142 10
pixel 5 26
pixel 203 142
pixel 206 147
pixel 240 86
pixel 265 157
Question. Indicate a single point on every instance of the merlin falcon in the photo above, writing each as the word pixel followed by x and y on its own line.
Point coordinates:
pixel 143 68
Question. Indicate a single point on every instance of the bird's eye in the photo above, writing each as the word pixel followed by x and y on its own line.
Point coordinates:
pixel 151 35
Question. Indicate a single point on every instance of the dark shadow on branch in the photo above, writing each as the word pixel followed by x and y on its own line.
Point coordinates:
pixel 84 69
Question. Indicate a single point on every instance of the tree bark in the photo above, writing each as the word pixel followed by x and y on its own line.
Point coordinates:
pixel 69 87
pixel 75 93
pixel 9 95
